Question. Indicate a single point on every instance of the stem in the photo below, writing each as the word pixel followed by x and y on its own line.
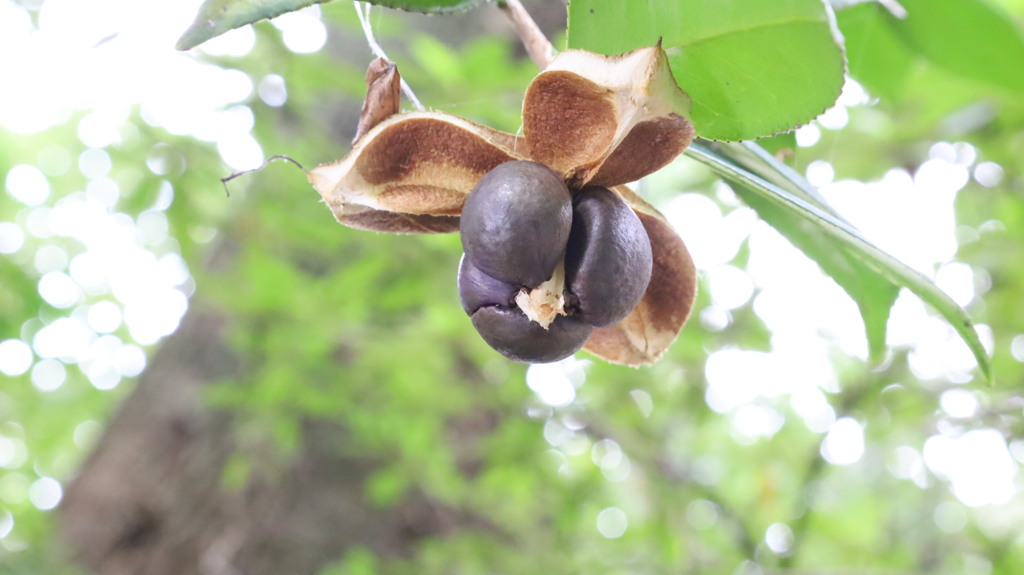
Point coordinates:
pixel 536 44
pixel 363 11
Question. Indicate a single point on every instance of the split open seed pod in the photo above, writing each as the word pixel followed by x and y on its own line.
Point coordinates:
pixel 592 119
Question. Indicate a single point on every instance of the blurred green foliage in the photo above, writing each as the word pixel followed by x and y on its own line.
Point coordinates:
pixel 366 330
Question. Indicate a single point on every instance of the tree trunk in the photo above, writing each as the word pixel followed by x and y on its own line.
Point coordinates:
pixel 151 500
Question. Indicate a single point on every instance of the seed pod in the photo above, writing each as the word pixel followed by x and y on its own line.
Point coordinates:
pixel 608 261
pixel 516 221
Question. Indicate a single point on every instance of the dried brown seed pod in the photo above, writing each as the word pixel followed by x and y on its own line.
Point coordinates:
pixel 592 119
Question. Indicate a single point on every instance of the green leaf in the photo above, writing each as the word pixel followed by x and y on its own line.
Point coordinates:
pixel 876 55
pixel 782 146
pixel 752 68
pixel 427 6
pixel 967 37
pixel 869 275
pixel 219 16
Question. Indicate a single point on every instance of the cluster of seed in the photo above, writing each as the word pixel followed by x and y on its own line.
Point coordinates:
pixel 544 266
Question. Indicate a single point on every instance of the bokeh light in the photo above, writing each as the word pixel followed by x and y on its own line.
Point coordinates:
pixel 779 538
pixel 612 522
pixel 15 357
pixel 844 443
pixel 555 383
pixel 48 375
pixel 302 31
pixel 977 464
pixel 45 493
pixel 273 90
pixel 11 238
pixel 27 184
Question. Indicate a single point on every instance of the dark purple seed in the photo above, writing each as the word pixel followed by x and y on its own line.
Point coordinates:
pixel 516 221
pixel 515 336
pixel 477 289
pixel 608 261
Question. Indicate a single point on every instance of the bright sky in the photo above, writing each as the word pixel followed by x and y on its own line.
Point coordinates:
pixel 93 63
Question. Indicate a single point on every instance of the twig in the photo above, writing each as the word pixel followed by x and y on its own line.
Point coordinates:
pixel 227 179
pixel 363 11
pixel 537 45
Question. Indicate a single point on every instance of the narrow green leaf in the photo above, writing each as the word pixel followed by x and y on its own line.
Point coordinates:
pixel 752 68
pixel 873 294
pixel 967 37
pixel 756 159
pixel 871 276
pixel 216 17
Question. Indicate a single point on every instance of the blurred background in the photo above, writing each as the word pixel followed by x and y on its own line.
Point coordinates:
pixel 225 381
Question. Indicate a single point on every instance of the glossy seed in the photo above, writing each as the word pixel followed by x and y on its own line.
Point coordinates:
pixel 608 261
pixel 511 333
pixel 477 289
pixel 516 221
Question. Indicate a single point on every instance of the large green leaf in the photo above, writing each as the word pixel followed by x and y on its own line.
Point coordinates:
pixel 752 68
pixel 869 275
pixel 218 16
pixel 876 55
pixel 967 37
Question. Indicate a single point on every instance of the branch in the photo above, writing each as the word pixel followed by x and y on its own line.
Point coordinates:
pixel 849 400
pixel 227 179
pixel 646 454
pixel 536 44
